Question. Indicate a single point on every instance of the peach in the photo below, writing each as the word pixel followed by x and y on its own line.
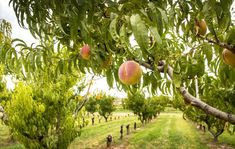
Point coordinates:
pixel 228 57
pixel 201 27
pixel 130 73
pixel 85 52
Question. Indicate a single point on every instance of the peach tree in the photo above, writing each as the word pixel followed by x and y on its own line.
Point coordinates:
pixel 179 43
pixel 145 108
pixel 106 106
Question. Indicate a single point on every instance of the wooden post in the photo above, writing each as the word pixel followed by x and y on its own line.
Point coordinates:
pixel 99 119
pixel 83 122
pixel 128 129
pixel 135 126
pixel 109 141
pixel 121 132
pixel 93 120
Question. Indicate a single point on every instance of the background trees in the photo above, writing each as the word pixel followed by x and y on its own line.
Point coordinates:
pixel 145 108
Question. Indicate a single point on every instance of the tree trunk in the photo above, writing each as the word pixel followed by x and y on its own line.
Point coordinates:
pixel 135 126
pixel 215 139
pixel 93 120
pixel 106 119
pixel 216 135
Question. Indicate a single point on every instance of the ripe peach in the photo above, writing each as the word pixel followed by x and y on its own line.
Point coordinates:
pixel 200 27
pixel 130 72
pixel 228 57
pixel 85 52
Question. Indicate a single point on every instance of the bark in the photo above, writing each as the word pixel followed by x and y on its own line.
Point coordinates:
pixel 106 119
pixel 207 108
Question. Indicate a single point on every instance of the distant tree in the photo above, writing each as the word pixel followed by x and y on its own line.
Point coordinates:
pixel 91 105
pixel 136 103
pixel 106 106
pixel 145 108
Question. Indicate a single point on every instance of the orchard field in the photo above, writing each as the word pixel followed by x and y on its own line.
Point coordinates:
pixel 117 74
pixel 169 130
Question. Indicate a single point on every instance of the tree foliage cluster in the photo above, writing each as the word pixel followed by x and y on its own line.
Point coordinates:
pixel 145 108
pixel 41 114
pixel 101 103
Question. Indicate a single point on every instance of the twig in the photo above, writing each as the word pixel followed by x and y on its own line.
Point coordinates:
pixel 78 108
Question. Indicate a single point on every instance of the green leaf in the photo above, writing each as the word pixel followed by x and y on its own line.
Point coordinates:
pixel 231 36
pixel 109 77
pixel 61 66
pixel 207 50
pixel 156 35
pixel 140 31
pixel 113 29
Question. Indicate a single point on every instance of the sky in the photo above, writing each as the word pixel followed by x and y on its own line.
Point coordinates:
pixel 7 13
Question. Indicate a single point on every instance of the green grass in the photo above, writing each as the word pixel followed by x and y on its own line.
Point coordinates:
pixel 95 136
pixel 168 131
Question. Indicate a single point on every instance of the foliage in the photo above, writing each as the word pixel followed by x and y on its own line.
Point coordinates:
pixel 106 105
pixel 91 105
pixel 145 108
pixel 41 113
pixel 162 30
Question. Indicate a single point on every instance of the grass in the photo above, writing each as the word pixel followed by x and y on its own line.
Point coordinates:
pixel 95 136
pixel 168 131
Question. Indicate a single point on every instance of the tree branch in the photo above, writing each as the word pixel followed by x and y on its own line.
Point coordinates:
pixel 191 99
pixel 221 44
pixel 207 108
pixel 78 108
